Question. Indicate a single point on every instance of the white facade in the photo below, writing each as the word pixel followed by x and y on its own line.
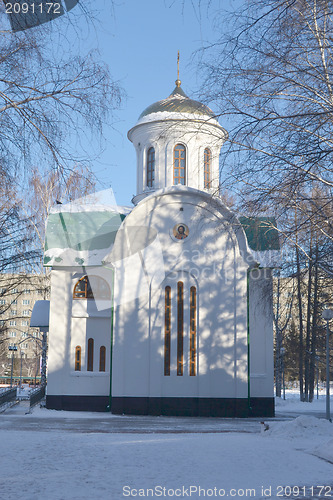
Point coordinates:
pixel 72 323
pixel 187 327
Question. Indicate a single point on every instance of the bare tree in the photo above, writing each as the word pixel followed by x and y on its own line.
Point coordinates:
pixel 269 72
pixel 283 301
pixel 50 100
pixel 15 230
pixel 271 78
pixel 50 96
pixel 53 101
pixel 307 287
pixel 45 190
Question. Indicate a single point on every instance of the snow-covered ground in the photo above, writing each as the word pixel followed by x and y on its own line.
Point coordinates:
pixel 293 406
pixel 84 456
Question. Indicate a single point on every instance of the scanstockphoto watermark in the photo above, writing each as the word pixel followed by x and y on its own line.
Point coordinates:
pixel 264 491
pixel 203 264
pixel 92 234
pixel 188 491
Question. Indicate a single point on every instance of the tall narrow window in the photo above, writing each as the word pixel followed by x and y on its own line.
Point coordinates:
pixel 77 358
pixel 150 167
pixel 102 353
pixel 179 164
pixel 180 327
pixel 207 168
pixel 90 361
pixel 193 330
pixel 167 330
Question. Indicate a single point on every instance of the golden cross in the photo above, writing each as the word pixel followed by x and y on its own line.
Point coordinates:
pixel 178 82
pixel 178 66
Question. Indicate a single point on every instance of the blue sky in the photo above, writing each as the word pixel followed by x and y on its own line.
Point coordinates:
pixel 139 41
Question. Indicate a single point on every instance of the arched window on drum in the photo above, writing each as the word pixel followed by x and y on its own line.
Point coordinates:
pixel 150 167
pixel 179 165
pixel 207 168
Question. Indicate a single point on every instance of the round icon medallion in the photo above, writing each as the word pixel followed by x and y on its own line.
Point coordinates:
pixel 180 231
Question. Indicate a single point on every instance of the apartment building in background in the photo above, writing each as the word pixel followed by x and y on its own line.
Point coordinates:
pixel 18 294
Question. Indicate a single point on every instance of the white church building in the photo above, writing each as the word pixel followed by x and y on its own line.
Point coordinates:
pixel 164 308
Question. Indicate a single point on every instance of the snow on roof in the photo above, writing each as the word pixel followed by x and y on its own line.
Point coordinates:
pixel 40 314
pixel 78 208
pixel 178 101
pixel 81 234
pixel 177 115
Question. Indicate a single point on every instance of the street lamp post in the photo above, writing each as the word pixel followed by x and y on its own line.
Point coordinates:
pixel 21 354
pixel 44 351
pixel 283 352
pixel 12 348
pixel 328 315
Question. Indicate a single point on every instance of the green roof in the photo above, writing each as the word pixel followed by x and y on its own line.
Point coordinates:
pixel 178 102
pixel 261 233
pixel 88 233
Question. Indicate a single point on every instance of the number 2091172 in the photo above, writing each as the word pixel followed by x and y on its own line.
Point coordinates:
pixel 33 8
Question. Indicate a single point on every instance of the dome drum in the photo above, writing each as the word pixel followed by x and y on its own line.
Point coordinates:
pixel 164 125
